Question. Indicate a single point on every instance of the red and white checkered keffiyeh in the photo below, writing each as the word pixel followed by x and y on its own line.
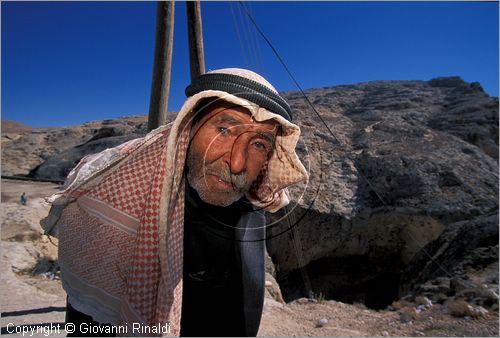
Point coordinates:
pixel 120 219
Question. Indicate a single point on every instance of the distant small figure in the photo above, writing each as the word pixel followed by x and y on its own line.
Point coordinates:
pixel 24 199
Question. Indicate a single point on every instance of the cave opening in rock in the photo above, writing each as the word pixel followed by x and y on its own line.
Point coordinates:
pixel 374 282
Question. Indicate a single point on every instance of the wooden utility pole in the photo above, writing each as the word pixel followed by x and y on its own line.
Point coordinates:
pixel 195 38
pixel 160 86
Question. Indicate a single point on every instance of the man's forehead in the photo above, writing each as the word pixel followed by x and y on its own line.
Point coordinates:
pixel 233 114
pixel 219 106
pixel 228 117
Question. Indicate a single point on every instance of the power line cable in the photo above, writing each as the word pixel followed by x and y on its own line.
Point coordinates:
pixel 233 15
pixel 328 128
pixel 245 27
pixel 241 27
pixel 305 96
pixel 252 36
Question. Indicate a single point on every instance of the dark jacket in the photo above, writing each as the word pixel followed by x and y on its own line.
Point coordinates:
pixel 224 273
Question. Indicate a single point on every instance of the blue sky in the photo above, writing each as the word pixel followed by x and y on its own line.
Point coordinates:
pixel 65 63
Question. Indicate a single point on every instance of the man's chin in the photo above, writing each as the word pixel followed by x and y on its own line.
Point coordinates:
pixel 219 199
pixel 220 202
pixel 212 195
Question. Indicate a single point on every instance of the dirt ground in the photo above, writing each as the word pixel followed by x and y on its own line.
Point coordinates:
pixel 27 298
pixel 331 318
pixel 31 292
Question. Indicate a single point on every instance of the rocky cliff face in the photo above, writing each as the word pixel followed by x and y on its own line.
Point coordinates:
pixel 403 191
pixel 409 169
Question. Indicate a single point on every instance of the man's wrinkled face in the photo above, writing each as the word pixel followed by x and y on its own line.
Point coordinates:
pixel 227 152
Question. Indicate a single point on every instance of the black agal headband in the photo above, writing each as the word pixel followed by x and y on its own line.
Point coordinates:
pixel 244 88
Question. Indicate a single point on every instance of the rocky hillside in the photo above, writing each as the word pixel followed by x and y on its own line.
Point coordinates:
pixel 403 194
pixel 13 127
pixel 58 149
pixel 402 199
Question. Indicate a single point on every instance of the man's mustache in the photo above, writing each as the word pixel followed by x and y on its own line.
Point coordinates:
pixel 222 170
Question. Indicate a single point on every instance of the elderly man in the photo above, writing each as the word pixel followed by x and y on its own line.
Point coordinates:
pixel 145 252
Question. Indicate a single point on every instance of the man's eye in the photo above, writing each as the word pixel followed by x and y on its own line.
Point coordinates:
pixel 222 130
pixel 260 145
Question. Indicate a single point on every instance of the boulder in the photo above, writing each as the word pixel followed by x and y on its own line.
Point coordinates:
pixel 273 289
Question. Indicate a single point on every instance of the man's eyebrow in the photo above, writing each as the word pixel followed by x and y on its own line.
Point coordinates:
pixel 234 121
pixel 270 137
pixel 222 117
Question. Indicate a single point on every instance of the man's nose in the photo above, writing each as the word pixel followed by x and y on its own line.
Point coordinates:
pixel 236 157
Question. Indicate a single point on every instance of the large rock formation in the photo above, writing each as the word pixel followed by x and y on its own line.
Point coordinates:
pixel 404 187
pixel 403 190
